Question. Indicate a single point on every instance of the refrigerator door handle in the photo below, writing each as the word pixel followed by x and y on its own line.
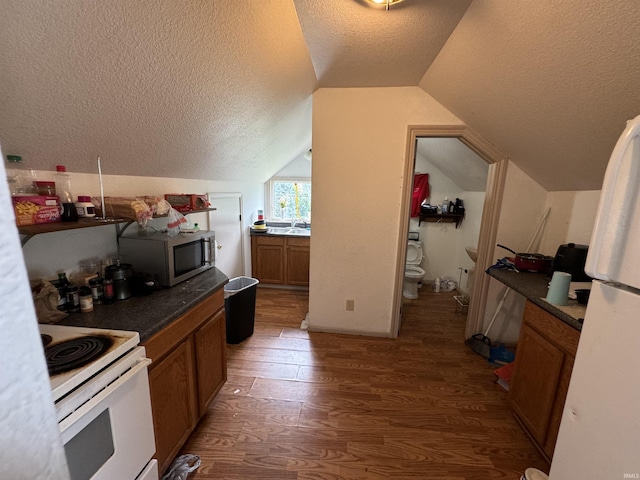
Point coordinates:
pixel 614 220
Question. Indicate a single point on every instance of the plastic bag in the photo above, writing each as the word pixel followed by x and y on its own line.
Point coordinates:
pixel 175 220
pixel 182 467
pixel 45 300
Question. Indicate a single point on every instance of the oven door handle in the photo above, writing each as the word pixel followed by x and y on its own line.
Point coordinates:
pixel 85 413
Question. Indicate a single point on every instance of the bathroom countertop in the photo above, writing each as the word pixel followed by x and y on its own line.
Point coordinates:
pixel 534 287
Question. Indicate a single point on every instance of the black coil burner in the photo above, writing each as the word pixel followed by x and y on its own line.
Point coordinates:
pixel 74 353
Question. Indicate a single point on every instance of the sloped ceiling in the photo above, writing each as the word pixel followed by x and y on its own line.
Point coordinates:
pixel 221 89
pixel 456 161
pixel 218 90
pixel 355 45
pixel 550 83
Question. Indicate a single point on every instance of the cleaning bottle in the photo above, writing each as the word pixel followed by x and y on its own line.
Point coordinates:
pixel 63 189
pixel 445 205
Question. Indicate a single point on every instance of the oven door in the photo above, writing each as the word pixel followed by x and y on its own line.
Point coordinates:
pixel 111 435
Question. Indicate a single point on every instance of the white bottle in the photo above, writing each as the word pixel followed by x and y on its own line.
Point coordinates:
pixel 436 285
pixel 445 205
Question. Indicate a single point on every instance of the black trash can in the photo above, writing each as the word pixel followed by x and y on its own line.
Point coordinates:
pixel 240 306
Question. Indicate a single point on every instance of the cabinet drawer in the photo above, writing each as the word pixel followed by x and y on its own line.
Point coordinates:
pixel 298 242
pixel 268 240
pixel 558 332
pixel 167 338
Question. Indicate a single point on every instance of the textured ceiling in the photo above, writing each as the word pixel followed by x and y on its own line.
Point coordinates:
pixel 550 83
pixel 193 89
pixel 355 45
pixel 456 161
pixel 221 89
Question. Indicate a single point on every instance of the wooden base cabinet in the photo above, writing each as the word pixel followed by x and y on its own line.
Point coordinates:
pixel 188 369
pixel 543 365
pixel 279 260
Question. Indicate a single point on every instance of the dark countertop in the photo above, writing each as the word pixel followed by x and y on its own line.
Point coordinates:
pixel 149 314
pixel 534 287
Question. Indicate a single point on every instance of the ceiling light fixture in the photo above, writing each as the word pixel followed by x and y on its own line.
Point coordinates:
pixel 386 3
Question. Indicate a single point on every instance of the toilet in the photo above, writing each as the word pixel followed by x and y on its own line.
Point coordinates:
pixel 413 274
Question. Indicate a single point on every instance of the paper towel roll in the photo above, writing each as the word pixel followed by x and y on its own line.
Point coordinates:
pixel 559 288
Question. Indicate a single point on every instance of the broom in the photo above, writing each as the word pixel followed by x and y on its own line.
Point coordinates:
pixel 480 342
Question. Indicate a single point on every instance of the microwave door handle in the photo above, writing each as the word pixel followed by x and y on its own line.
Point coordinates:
pixel 211 252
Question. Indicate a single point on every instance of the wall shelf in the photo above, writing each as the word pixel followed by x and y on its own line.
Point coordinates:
pixel 29 231
pixel 441 218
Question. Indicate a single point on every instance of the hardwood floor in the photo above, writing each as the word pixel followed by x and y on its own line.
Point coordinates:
pixel 301 405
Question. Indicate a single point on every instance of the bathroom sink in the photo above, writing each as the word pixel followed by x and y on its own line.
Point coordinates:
pixel 473 253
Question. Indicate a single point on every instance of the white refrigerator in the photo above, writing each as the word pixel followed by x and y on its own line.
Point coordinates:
pixel 599 436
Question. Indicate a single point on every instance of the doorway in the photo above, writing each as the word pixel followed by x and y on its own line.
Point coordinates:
pixel 489 222
pixel 226 221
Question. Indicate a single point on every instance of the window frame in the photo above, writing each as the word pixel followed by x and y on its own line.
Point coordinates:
pixel 271 203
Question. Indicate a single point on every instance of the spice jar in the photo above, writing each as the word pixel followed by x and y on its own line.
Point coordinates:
pixel 73 299
pixel 86 300
pixel 109 295
pixel 84 207
pixel 97 290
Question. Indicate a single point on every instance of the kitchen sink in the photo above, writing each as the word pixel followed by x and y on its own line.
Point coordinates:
pixel 289 231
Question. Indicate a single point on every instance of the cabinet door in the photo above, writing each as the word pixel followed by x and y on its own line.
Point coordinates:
pixel 173 401
pixel 268 259
pixel 298 261
pixel 211 359
pixel 535 380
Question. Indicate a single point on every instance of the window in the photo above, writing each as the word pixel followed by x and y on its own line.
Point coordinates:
pixel 289 198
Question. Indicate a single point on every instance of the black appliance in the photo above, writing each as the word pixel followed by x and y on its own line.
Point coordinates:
pixel 571 258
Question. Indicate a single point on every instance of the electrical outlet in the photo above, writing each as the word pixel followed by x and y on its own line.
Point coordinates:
pixel 351 305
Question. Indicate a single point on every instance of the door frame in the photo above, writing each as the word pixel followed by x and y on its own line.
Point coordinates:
pixel 238 195
pixel 496 177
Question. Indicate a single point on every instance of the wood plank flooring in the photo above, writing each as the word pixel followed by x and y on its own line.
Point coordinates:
pixel 301 405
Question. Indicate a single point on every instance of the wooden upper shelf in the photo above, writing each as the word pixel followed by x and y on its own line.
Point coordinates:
pixel 31 230
pixel 441 217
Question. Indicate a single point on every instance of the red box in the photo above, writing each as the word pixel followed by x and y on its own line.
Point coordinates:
pixel 35 209
pixel 187 202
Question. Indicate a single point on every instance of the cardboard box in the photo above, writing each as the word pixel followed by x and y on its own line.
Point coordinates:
pixel 187 202
pixel 35 209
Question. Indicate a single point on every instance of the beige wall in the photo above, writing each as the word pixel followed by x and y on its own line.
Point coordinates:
pixel 359 147
pixel 571 219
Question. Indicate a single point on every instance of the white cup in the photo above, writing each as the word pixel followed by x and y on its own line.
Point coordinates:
pixel 559 288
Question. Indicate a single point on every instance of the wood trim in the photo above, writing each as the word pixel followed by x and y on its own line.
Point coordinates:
pixel 490 215
pixel 166 339
pixel 487 240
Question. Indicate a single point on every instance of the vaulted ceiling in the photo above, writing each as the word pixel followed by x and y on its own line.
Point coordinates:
pixel 222 89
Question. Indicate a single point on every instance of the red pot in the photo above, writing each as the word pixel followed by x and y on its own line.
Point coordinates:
pixel 533 262
pixel 530 262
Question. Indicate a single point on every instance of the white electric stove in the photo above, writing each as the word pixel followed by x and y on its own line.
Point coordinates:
pixel 100 387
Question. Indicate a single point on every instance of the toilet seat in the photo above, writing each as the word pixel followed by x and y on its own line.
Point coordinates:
pixel 413 271
pixel 414 253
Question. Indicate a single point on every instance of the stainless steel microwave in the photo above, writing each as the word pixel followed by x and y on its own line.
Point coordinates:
pixel 169 260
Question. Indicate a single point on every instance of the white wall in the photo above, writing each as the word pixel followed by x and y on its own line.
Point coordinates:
pixel 30 445
pixel 47 254
pixel 298 167
pixel 571 219
pixel 359 147
pixel 443 243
